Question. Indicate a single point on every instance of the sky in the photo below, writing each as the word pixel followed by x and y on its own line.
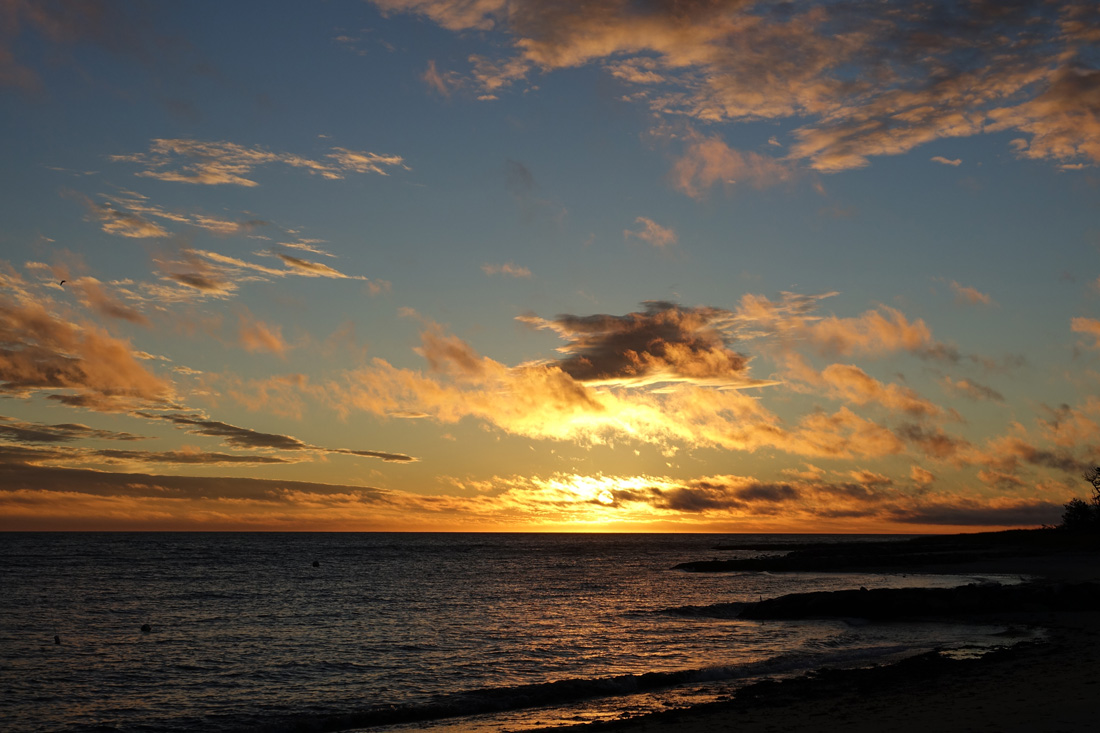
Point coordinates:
pixel 525 265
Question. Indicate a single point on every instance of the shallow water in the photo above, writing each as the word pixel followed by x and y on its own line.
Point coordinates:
pixel 477 631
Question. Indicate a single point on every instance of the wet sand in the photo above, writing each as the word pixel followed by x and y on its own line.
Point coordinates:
pixel 1042 687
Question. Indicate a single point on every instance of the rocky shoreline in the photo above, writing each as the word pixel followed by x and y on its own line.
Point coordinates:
pixel 1039 686
pixel 895 555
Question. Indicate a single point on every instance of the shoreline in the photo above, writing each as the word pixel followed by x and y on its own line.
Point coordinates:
pixel 1034 686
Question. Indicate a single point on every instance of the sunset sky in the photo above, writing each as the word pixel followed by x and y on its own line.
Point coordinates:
pixel 534 265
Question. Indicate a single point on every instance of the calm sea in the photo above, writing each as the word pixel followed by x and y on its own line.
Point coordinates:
pixel 458 632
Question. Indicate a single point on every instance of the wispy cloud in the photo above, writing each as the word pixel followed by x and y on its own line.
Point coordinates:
pixel 970 296
pixel 972 390
pixel 508 268
pixel 862 79
pixel 1090 327
pixel 34 432
pixel 946 161
pixel 314 269
pixel 652 232
pixel 257 336
pixel 220 163
pixel 239 437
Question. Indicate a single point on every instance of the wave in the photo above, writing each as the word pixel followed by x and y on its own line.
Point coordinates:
pixel 515 698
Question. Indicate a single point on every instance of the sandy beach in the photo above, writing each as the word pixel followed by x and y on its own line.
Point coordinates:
pixel 1046 686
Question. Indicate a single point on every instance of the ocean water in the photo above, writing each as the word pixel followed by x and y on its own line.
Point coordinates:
pixel 450 632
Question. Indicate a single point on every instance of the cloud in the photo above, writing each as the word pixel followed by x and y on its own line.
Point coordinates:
pixel 934 442
pixel 615 395
pixel 969 296
pixel 217 275
pixel 127 225
pixel 239 437
pixel 972 390
pixel 256 336
pixel 851 384
pixel 61 26
pixel 314 269
pixel 36 496
pixel 707 161
pixel 195 273
pixel 41 351
pixel 921 476
pixel 226 163
pixel 878 331
pixel 34 432
pixel 1064 119
pixel 1071 426
pixel 1090 327
pixel 95 296
pixel 664 343
pixel 946 161
pixel 435 80
pixel 862 79
pixel 66 498
pixel 507 268
pixel 652 232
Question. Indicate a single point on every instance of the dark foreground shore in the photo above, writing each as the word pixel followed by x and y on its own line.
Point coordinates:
pixel 1047 686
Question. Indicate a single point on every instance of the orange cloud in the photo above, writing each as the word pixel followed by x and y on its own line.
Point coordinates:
pixel 960 70
pixel 255 335
pixel 709 161
pixel 853 385
pixel 605 399
pixel 97 298
pixel 38 497
pixel 972 390
pixel 1088 326
pixel 879 331
pixel 652 232
pixel 44 352
pixel 221 163
pixel 968 295
pixel 507 268
pixel 239 437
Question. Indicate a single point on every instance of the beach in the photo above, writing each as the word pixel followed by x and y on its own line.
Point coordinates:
pixel 1050 685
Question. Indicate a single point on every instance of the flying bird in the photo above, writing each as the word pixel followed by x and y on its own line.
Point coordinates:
pixel 62 282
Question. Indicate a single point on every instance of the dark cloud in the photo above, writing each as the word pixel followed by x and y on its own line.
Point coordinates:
pixel 112 26
pixel 520 180
pixel 933 442
pixel 1024 514
pixel 183 457
pixel 200 281
pixel 14 477
pixel 31 432
pixel 239 437
pixel 94 296
pixel 665 342
pixel 711 495
pixel 27 456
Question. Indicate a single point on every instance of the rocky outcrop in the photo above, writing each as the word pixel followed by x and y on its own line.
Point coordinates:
pixel 908 603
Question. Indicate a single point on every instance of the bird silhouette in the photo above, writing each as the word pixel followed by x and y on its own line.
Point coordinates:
pixel 63 282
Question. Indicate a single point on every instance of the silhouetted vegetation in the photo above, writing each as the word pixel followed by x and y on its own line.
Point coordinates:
pixel 1081 515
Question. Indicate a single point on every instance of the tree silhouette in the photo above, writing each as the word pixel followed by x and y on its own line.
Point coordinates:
pixel 1081 515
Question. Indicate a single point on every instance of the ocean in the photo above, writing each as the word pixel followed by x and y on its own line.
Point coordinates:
pixel 477 633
